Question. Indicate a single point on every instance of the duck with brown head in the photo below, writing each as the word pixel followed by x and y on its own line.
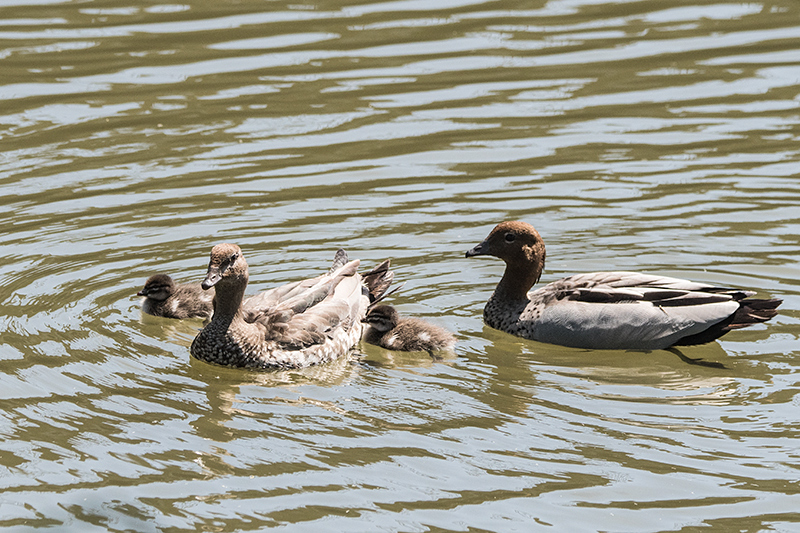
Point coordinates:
pixel 607 310
pixel 163 297
pixel 296 325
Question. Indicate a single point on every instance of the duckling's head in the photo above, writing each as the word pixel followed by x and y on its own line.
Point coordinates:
pixel 518 244
pixel 226 266
pixel 382 317
pixel 157 287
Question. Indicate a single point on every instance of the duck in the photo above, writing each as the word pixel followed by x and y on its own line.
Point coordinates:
pixel 163 297
pixel 607 310
pixel 296 325
pixel 386 328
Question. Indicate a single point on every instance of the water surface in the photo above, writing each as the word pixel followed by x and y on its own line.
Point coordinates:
pixel 633 135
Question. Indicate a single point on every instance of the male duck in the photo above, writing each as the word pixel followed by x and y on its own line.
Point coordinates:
pixel 389 330
pixel 296 325
pixel 162 297
pixel 607 310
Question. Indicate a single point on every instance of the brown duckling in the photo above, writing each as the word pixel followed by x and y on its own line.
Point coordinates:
pixel 163 297
pixel 389 330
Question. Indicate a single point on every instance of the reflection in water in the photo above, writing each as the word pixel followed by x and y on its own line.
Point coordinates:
pixel 633 136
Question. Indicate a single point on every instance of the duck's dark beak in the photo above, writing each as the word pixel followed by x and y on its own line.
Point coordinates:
pixel 479 249
pixel 213 276
pixel 142 292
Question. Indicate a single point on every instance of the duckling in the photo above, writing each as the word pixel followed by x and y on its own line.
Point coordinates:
pixel 389 330
pixel 162 297
pixel 296 325
pixel 607 310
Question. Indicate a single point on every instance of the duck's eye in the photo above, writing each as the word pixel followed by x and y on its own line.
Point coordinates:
pixel 228 262
pixel 510 237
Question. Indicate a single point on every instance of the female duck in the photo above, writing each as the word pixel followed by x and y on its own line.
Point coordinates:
pixel 299 324
pixel 162 297
pixel 388 330
pixel 607 310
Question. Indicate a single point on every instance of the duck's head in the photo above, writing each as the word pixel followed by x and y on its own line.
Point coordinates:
pixel 157 287
pixel 517 243
pixel 382 317
pixel 227 265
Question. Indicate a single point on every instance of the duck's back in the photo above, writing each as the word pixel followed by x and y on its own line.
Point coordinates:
pixel 415 335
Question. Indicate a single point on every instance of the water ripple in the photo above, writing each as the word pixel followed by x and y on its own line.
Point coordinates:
pixel 634 136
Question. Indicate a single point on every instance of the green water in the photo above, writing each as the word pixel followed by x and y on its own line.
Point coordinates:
pixel 633 135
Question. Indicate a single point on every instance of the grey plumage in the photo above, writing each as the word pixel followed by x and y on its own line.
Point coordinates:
pixel 393 332
pixel 607 310
pixel 163 297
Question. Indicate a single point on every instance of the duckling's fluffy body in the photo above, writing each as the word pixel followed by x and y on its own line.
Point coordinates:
pixel 299 324
pixel 388 330
pixel 163 297
pixel 607 310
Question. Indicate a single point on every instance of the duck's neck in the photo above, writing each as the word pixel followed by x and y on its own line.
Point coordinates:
pixel 516 282
pixel 228 300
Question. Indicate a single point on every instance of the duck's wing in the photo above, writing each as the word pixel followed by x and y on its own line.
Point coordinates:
pixel 312 311
pixel 621 287
pixel 631 310
pixel 270 298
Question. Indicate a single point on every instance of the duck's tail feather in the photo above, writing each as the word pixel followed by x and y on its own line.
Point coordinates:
pixel 339 260
pixel 385 295
pixel 751 311
pixel 378 281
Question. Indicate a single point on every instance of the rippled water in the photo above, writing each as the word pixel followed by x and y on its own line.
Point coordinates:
pixel 633 135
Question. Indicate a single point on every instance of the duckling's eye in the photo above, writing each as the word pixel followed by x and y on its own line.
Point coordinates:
pixel 233 258
pixel 510 237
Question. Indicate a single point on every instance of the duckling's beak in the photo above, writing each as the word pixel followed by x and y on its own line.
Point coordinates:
pixel 479 249
pixel 142 292
pixel 213 276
